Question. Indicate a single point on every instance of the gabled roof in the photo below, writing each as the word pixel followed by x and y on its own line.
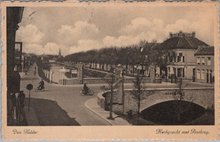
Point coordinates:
pixel 205 51
pixel 182 41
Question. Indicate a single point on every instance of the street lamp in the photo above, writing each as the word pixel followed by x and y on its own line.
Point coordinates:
pixel 111 97
pixel 123 93
pixel 142 60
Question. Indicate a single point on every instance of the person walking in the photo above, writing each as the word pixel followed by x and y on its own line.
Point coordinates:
pixel 21 100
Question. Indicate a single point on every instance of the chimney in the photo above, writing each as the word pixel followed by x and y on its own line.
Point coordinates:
pixel 171 34
pixel 193 34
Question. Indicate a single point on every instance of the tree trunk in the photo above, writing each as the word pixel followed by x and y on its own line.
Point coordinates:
pixel 111 103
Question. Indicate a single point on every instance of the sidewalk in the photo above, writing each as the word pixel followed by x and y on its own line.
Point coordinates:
pixel 31 117
pixel 92 105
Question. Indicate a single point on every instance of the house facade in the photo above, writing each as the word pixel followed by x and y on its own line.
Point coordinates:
pixel 182 65
pixel 205 65
pixel 181 48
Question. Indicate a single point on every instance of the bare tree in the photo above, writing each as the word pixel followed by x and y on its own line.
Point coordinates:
pixel 139 92
pixel 179 96
pixel 111 80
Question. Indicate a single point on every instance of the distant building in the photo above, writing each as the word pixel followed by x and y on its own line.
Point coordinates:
pixel 205 64
pixel 59 55
pixel 181 49
pixel 51 58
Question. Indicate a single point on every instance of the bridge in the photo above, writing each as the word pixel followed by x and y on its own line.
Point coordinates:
pixel 201 96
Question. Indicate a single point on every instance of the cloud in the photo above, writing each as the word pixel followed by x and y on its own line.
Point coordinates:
pixel 144 28
pixel 33 48
pixel 69 35
pixel 84 45
pixel 83 36
pixel 29 34
pixel 49 48
pixel 189 26
pixel 141 28
pixel 136 26
pixel 138 29
pixel 53 49
pixel 126 40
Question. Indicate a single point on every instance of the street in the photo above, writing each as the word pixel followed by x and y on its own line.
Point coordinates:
pixel 60 105
pixel 67 98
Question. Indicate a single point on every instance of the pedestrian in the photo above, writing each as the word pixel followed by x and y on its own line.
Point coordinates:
pixel 13 108
pixel 15 81
pixel 21 99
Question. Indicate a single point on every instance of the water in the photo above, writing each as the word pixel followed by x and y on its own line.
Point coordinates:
pixel 176 113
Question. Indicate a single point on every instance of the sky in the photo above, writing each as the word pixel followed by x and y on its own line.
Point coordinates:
pixel 81 28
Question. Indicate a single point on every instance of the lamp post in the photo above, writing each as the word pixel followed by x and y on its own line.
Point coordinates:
pixel 123 93
pixel 29 88
pixel 142 60
pixel 111 80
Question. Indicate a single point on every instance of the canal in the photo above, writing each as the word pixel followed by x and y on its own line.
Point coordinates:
pixel 178 113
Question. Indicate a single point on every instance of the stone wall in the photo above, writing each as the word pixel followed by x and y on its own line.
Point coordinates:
pixel 97 81
pixel 200 96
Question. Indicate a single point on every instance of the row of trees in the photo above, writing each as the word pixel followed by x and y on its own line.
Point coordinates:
pixel 144 53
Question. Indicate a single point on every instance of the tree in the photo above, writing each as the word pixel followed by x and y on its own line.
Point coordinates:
pixel 111 80
pixel 178 96
pixel 137 92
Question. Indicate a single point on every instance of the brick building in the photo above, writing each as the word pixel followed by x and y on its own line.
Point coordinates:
pixel 14 16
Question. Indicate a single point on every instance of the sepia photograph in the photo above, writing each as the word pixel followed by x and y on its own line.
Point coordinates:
pixel 110 65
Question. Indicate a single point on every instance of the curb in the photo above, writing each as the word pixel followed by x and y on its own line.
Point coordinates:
pixel 87 106
pixel 74 85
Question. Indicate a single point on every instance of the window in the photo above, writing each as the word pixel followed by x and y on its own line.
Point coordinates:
pixel 179 57
pixel 203 74
pixel 198 60
pixel 198 74
pixel 203 61
pixel 209 61
pixel 174 59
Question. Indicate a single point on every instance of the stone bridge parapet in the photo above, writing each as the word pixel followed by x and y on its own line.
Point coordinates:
pixel 202 96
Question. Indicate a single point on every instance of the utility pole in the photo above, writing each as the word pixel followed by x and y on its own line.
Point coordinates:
pixel 111 103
